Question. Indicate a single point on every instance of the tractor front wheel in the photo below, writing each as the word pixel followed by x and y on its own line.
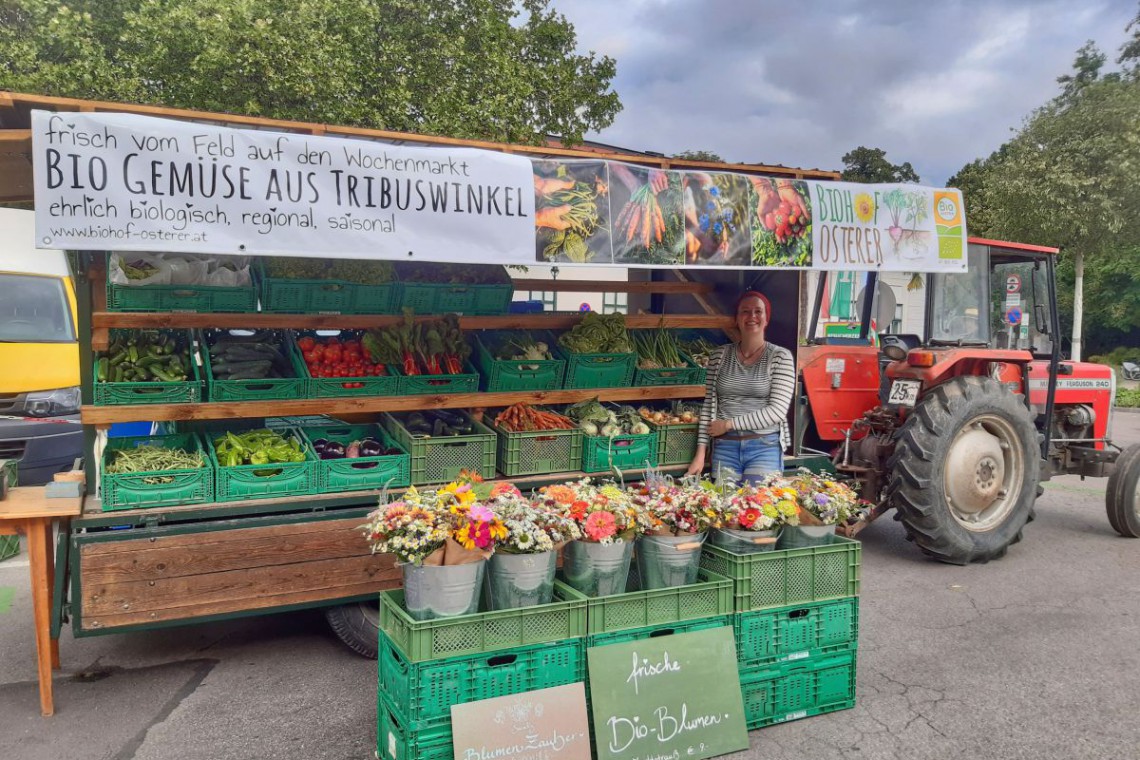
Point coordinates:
pixel 1122 497
pixel 965 471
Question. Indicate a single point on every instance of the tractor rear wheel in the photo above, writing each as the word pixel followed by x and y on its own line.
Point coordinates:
pixel 1122 497
pixel 965 471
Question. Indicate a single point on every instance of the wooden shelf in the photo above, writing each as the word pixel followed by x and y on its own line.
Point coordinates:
pixel 101 321
pixel 567 285
pixel 106 415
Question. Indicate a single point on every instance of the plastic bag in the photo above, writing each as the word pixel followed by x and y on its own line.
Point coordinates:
pixel 139 260
pixel 182 269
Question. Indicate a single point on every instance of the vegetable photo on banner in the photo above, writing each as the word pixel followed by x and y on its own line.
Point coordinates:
pixel 649 224
pixel 718 225
pixel 781 229
pixel 572 209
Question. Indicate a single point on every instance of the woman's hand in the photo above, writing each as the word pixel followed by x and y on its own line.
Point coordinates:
pixel 787 192
pixel 697 466
pixel 718 428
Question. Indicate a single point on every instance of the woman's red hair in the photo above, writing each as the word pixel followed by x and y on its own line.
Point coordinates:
pixel 755 294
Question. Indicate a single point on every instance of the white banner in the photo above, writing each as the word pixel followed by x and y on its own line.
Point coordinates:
pixel 128 182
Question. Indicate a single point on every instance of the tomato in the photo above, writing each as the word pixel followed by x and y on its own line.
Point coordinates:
pixel 334 341
pixel 333 353
pixel 318 351
pixel 306 343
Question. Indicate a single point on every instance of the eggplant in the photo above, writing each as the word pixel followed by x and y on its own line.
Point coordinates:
pixel 392 451
pixel 320 444
pixel 333 450
pixel 370 447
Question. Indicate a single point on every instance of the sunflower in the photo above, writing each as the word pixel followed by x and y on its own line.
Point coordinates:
pixel 864 207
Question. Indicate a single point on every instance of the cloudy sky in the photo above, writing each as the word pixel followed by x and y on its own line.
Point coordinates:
pixel 934 83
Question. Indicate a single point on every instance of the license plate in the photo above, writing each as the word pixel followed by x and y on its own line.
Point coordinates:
pixel 904 392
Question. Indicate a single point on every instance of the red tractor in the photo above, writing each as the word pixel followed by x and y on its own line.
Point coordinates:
pixel 956 429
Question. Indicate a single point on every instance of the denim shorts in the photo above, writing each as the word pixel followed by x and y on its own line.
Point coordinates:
pixel 747 460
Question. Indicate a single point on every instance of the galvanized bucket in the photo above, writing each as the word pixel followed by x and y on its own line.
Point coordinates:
pixel 597 569
pixel 803 536
pixel 520 580
pixel 668 561
pixel 439 591
pixel 745 541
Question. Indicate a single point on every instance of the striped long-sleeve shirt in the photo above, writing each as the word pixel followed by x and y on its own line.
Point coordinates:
pixel 756 398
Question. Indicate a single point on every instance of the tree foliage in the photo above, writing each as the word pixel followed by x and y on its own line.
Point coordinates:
pixel 871 165
pixel 699 155
pixel 490 69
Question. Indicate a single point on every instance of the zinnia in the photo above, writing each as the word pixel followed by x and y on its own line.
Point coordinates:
pixel 600 526
pixel 749 517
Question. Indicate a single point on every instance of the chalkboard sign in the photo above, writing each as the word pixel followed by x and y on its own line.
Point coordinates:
pixel 547 724
pixel 667 697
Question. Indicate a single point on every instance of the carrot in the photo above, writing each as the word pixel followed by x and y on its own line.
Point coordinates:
pixel 552 217
pixel 633 220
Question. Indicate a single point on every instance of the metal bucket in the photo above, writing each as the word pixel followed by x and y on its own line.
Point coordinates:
pixel 438 591
pixel 744 541
pixel 597 569
pixel 668 561
pixel 520 580
pixel 802 536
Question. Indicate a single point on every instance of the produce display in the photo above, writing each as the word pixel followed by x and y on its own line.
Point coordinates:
pixel 332 358
pixel 699 350
pixel 658 349
pixel 144 356
pixel 522 418
pixel 521 346
pixel 370 446
pixel 596 419
pixel 359 271
pixel 433 347
pixel 154 459
pixel 257 447
pixel 598 334
pixel 457 274
pixel 248 357
pixel 437 423
pixel 678 414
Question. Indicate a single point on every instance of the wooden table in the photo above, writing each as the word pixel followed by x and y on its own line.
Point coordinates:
pixel 27 511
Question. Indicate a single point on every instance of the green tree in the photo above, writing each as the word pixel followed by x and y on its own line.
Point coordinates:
pixel 490 69
pixel 871 165
pixel 699 155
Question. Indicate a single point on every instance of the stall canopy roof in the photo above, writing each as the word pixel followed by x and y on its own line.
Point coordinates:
pixel 16 140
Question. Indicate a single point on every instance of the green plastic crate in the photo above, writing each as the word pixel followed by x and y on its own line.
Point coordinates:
pixel 787 577
pixel 423 693
pixel 394 741
pixel 440 460
pixel 9 547
pixel 482 632
pixel 676 444
pixel 793 690
pixel 796 633
pixel 710 596
pixel 539 452
pixel 155 391
pixel 502 375
pixel 179 298
pixel 361 473
pixel 267 389
pixel 243 482
pixel 329 387
pixel 654 631
pixel 431 385
pixel 131 491
pixel 459 298
pixel 324 296
pixel 625 452
pixel 690 374
pixel 585 371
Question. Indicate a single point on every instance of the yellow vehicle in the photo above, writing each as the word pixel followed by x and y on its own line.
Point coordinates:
pixel 39 354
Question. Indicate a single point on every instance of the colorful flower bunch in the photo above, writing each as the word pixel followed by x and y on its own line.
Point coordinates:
pixel 764 506
pixel 603 512
pixel 831 501
pixel 690 506
pixel 531 527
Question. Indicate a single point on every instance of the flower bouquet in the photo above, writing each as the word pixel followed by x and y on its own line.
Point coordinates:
pixel 597 564
pixel 678 514
pixel 753 516
pixel 441 540
pixel 822 503
pixel 521 571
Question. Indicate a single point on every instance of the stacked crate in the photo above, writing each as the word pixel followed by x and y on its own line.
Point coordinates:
pixel 425 667
pixel 796 620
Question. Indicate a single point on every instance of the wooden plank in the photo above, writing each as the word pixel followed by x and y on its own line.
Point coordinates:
pixel 97 281
pixel 239 589
pixel 98 415
pixel 104 319
pixel 266 603
pixel 29 502
pixel 158 554
pixel 614 286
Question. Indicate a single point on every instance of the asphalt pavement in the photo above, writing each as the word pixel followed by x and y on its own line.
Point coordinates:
pixel 1033 656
